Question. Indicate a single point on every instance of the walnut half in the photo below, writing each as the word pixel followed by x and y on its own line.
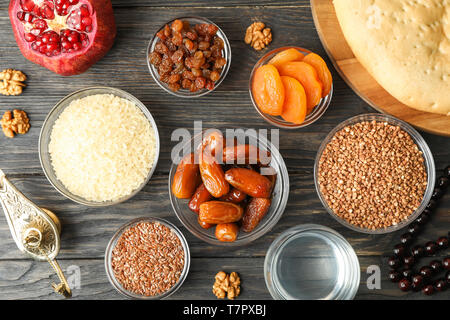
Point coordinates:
pixel 12 82
pixel 227 285
pixel 16 122
pixel 258 36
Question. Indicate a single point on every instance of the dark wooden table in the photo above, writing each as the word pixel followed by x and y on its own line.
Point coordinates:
pixel 86 231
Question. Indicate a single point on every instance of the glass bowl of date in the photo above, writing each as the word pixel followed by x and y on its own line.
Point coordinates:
pixel 91 123
pixel 189 59
pixel 286 60
pixel 360 209
pixel 165 240
pixel 259 213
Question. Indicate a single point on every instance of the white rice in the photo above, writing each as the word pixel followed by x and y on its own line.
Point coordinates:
pixel 102 147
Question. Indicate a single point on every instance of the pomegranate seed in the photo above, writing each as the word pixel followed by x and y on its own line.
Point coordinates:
pixel 36 31
pixel 21 15
pixel 29 17
pixel 85 43
pixel 73 2
pixel 84 11
pixel 76 46
pixel 52 47
pixel 73 37
pixel 29 37
pixel 87 21
pixel 34 46
pixel 54 38
pixel 88 29
pixel 83 36
pixel 66 45
pixel 47 12
pixel 27 5
pixel 40 24
pixel 42 49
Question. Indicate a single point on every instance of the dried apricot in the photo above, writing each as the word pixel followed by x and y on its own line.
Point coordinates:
pixel 249 182
pixel 322 71
pixel 268 90
pixel 287 55
pixel 186 177
pixel 215 212
pixel 308 78
pixel 294 108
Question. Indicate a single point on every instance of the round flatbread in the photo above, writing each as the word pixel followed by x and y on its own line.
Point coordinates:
pixel 404 45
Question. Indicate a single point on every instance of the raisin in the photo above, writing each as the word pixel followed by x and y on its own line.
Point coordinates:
pixel 164 78
pixel 196 72
pixel 177 56
pixel 200 82
pixel 220 62
pixel 207 54
pixel 160 34
pixel 163 69
pixel 218 42
pixel 177 25
pixel 174 86
pixel 211 29
pixel 186 83
pixel 179 68
pixel 167 31
pixel 188 44
pixel 203 45
pixel 170 45
pixel 192 35
pixel 214 76
pixel 161 48
pixel 174 78
pixel 155 58
pixel 209 85
pixel 188 75
pixel 206 73
pixel 177 39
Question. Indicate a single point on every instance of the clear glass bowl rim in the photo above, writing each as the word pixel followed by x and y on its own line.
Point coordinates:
pixel 318 111
pixel 269 221
pixel 185 93
pixel 420 142
pixel 277 245
pixel 112 243
pixel 49 122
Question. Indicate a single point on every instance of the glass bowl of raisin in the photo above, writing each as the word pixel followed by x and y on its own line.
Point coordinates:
pixel 189 56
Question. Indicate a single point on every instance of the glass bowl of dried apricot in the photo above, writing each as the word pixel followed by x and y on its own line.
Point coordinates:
pixel 189 56
pixel 291 87
pixel 228 187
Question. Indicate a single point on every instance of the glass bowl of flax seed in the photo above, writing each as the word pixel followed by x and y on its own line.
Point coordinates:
pixel 374 173
pixel 147 258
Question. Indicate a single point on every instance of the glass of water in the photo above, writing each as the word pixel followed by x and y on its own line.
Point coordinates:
pixel 311 262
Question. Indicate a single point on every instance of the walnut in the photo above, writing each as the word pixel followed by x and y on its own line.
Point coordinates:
pixel 258 36
pixel 16 122
pixel 12 82
pixel 227 285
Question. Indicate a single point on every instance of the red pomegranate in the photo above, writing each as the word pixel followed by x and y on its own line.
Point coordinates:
pixel 65 36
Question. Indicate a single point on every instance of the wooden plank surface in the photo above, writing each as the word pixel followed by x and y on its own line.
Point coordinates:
pixel 86 231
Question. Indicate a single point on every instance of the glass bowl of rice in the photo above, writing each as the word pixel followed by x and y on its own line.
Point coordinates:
pixel 99 146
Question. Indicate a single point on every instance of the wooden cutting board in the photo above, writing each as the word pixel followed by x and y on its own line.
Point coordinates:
pixel 360 80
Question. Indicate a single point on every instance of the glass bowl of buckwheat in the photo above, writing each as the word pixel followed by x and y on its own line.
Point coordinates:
pixel 374 173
